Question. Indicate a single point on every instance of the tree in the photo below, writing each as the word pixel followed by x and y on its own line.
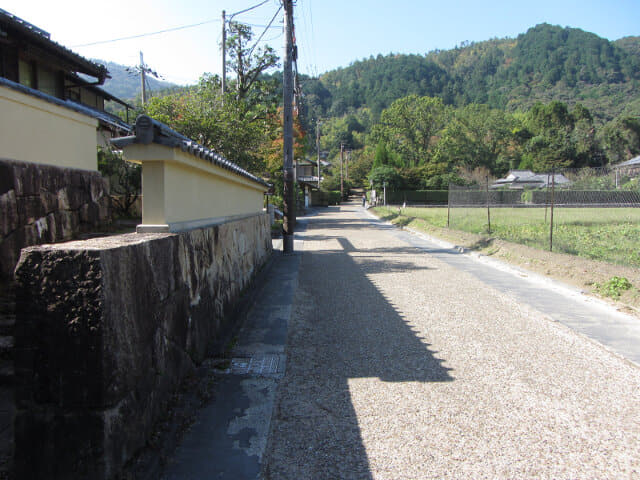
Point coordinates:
pixel 385 175
pixel 384 157
pixel 477 136
pixel 409 126
pixel 551 146
pixel 125 180
pixel 272 150
pixel 225 124
pixel 621 139
pixel 247 62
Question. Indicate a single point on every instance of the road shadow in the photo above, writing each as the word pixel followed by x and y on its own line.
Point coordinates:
pixel 342 328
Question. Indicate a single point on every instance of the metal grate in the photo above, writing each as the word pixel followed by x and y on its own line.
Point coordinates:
pixel 257 365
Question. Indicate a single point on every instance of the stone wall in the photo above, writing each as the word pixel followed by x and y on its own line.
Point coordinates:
pixel 108 328
pixel 46 204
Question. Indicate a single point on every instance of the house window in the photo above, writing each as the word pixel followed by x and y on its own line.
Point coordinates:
pixel 27 73
pixel 73 94
pixel 47 82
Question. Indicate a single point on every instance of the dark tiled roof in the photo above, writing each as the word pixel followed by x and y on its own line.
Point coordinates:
pixel 104 117
pixel 147 130
pixel 634 162
pixel 43 39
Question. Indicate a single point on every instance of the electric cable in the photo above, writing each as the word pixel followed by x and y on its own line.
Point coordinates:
pixel 173 29
pixel 264 31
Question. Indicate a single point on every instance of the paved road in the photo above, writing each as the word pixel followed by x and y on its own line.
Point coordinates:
pixel 405 362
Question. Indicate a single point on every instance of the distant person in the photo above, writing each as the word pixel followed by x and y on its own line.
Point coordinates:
pixel 364 200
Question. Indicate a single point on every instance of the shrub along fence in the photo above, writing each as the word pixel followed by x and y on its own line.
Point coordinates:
pixel 413 197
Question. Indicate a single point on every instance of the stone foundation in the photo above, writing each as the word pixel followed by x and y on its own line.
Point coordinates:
pixel 108 328
pixel 46 204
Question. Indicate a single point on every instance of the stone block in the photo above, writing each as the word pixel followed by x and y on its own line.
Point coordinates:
pixel 60 304
pixel 54 226
pixel 53 178
pixel 29 209
pixel 98 187
pixel 9 219
pixel 27 179
pixel 89 214
pixel 6 177
pixel 49 201
pixel 77 196
pixel 69 221
pixel 107 330
pixel 10 252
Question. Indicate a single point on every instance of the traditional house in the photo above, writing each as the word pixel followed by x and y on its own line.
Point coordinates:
pixel 52 109
pixel 52 119
pixel 307 178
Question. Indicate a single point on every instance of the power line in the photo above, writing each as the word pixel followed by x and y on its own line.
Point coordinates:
pixel 247 9
pixel 173 29
pixel 264 31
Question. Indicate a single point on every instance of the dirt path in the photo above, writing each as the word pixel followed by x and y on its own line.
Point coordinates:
pixel 401 366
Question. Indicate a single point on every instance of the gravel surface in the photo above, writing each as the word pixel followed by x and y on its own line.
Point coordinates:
pixel 400 366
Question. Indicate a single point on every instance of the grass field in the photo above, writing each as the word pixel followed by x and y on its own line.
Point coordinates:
pixel 608 234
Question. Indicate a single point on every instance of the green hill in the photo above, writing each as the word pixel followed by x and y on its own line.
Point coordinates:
pixel 546 63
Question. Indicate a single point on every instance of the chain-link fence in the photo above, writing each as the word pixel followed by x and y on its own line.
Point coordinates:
pixel 589 212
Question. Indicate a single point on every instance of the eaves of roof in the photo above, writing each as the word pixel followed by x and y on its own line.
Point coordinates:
pixel 107 96
pixel 42 39
pixel 630 163
pixel 104 117
pixel 147 131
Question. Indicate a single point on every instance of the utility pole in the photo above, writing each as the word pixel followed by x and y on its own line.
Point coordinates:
pixel 318 149
pixel 143 80
pixel 288 220
pixel 346 165
pixel 224 51
pixel 341 163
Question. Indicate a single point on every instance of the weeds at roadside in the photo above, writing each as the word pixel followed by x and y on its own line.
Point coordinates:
pixel 614 287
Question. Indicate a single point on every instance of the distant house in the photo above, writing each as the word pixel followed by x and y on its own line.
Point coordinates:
pixel 307 178
pixel 52 109
pixel 521 179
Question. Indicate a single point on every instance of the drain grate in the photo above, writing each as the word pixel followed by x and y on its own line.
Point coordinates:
pixel 258 365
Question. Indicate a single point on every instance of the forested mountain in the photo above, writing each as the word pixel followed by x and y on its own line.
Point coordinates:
pixel 546 63
pixel 551 98
pixel 125 84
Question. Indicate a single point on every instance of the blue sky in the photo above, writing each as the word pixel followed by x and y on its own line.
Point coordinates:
pixel 330 33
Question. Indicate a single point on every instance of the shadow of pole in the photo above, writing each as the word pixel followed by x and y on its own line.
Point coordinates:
pixel 342 328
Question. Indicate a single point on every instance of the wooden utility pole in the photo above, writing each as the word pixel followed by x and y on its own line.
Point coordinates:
pixel 341 162
pixel 224 51
pixel 318 149
pixel 346 165
pixel 288 220
pixel 143 80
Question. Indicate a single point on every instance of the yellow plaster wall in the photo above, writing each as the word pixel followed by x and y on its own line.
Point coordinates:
pixel 33 130
pixel 179 187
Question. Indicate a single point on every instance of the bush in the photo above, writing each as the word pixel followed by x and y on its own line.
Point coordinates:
pixel 527 196
pixel 334 197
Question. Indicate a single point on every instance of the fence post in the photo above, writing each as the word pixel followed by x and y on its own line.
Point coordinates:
pixel 448 205
pixel 488 209
pixel 546 200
